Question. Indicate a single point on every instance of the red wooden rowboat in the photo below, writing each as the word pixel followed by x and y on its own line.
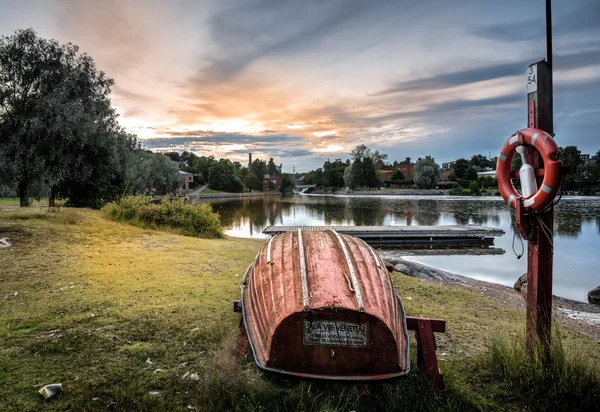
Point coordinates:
pixel 322 305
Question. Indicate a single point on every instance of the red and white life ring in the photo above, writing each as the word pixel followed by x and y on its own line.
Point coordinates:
pixel 548 149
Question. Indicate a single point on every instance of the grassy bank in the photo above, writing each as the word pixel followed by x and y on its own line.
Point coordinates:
pixel 133 319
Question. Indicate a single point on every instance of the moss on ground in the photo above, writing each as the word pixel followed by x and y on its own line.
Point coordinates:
pixel 124 317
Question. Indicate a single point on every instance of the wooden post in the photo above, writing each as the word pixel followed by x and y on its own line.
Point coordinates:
pixel 540 246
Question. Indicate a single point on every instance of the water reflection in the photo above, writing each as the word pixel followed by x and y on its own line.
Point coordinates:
pixel 576 225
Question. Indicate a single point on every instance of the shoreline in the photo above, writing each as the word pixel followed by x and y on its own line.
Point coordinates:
pixel 234 195
pixel 581 316
pixel 378 192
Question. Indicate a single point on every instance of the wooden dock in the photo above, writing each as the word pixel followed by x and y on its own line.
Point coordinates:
pixel 407 235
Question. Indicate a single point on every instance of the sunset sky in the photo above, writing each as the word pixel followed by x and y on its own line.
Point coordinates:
pixel 304 81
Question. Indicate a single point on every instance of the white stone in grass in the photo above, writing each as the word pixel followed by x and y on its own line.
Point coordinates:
pixel 194 377
pixel 148 361
pixel 50 390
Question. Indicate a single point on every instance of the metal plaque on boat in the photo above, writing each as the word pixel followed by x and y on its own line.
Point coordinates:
pixel 336 333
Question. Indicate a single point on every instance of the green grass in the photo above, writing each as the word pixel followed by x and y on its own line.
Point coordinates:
pixel 88 302
pixel 554 379
pixel 208 191
pixel 14 201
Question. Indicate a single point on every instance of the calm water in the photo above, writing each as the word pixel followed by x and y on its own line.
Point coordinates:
pixel 576 241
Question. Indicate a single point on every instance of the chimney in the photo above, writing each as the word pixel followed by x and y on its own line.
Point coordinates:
pixel 249 161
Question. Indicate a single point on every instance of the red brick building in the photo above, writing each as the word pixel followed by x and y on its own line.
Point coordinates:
pixel 407 169
pixel 188 178
pixel 273 179
pixel 384 175
pixel 444 174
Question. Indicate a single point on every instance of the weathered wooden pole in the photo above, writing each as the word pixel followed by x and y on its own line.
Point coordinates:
pixel 540 246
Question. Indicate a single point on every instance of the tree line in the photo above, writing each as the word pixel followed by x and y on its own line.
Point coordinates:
pixel 226 175
pixel 59 134
pixel 362 168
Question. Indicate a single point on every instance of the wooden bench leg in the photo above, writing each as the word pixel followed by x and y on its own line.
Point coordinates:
pixel 426 357
pixel 241 346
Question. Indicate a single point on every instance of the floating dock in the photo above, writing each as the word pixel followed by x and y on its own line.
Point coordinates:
pixel 408 236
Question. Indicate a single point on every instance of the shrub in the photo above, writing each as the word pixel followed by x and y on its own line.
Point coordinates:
pixel 188 219
pixel 474 188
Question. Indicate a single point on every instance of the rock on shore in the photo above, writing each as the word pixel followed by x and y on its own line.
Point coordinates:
pixel 594 296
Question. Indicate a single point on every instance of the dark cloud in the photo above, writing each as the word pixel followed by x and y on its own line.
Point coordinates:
pixel 584 17
pixel 457 78
pixel 204 136
pixel 580 59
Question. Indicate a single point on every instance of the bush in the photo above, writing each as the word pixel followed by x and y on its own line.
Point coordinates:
pixel 448 185
pixel 186 218
pixel 474 188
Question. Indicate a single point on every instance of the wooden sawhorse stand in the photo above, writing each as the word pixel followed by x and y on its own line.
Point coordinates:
pixel 426 357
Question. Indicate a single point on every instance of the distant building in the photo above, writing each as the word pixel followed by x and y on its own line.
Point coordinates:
pixel 188 178
pixel 585 159
pixel 447 165
pixel 384 175
pixel 272 179
pixel 491 173
pixel 445 174
pixel 407 169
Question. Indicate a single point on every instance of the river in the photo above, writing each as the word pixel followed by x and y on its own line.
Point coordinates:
pixel 576 230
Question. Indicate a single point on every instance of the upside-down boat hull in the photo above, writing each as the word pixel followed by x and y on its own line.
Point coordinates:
pixel 322 305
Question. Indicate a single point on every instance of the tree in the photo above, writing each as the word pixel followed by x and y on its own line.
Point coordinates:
pixel 481 161
pixel 470 173
pixel 54 110
pixel 272 167
pixel 260 169
pixel 221 176
pixel 460 167
pixel 570 156
pixel 107 174
pixel 198 165
pixel 397 175
pixel 153 172
pixel 427 173
pixel 251 182
pixel 364 166
pixel 333 173
pixel 286 182
pixel 174 156
pixel 349 177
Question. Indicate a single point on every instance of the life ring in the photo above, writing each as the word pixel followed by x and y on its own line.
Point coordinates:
pixel 548 149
